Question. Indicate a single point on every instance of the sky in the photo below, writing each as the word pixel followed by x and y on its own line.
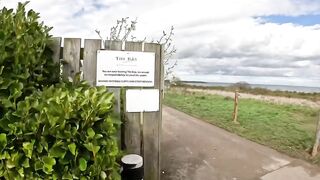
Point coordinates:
pixel 257 41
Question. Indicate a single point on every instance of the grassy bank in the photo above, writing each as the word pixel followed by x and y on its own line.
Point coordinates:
pixel 258 91
pixel 286 128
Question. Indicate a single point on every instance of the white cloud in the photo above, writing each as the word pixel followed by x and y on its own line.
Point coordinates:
pixel 214 38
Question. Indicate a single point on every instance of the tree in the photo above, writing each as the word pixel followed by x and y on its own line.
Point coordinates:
pixel 241 85
pixel 123 30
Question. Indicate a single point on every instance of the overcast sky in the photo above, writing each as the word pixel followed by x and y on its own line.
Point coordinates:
pixel 258 41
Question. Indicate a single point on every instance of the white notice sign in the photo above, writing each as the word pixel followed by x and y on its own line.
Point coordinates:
pixel 142 100
pixel 125 68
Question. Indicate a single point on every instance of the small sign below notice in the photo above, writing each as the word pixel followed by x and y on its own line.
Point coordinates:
pixel 142 100
pixel 125 68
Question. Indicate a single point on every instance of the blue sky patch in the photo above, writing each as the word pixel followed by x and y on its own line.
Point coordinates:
pixel 82 11
pixel 99 6
pixel 78 13
pixel 304 20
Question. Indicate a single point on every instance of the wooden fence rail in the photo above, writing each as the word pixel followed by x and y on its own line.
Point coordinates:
pixel 70 56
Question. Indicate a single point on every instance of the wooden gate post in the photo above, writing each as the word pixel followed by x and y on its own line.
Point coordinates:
pixel 317 140
pixel 235 110
pixel 153 121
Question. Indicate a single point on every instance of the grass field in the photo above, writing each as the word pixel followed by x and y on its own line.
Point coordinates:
pixel 286 128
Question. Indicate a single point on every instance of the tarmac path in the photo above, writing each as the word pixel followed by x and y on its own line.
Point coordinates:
pixel 192 149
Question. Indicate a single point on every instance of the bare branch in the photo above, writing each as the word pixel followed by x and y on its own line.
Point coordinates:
pixel 122 23
pixel 143 40
pixel 99 34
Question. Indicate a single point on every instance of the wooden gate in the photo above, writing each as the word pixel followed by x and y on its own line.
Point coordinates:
pixel 141 132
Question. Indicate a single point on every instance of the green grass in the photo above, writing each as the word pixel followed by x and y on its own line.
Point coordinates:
pixel 286 128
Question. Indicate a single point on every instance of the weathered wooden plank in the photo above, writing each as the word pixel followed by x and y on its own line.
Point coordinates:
pixel 132 128
pixel 115 45
pixel 91 46
pixel 133 46
pixel 152 122
pixel 71 57
pixel 55 46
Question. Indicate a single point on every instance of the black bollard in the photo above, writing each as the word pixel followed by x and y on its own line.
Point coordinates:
pixel 132 167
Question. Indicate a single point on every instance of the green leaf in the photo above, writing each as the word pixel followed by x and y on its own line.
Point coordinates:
pixel 47 169
pixel 57 151
pixel 38 165
pixel 54 176
pixel 89 146
pixel 94 149
pixel 44 143
pixel 14 160
pixel 21 172
pixel 26 163
pixel 91 133
pixel 28 148
pixel 67 176
pixel 1 69
pixel 48 163
pixel 103 175
pixel 4 155
pixel 74 131
pixel 82 164
pixel 7 103
pixel 10 164
pixel 3 141
pixel 39 148
pixel 72 148
pixel 98 136
pixel 64 161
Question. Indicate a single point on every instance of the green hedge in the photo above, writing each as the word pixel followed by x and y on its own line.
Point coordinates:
pixel 61 133
pixel 25 61
pixel 49 129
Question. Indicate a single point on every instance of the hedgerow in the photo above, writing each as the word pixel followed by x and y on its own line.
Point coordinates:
pixel 49 129
pixel 63 132
pixel 25 60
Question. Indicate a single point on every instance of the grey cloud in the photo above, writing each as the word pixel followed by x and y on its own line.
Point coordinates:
pixel 253 51
pixel 243 71
pixel 209 51
pixel 274 63
pixel 248 60
pixel 246 67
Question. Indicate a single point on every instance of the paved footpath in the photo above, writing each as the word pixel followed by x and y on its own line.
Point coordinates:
pixel 195 150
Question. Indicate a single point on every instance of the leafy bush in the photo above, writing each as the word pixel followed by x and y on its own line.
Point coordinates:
pixel 49 132
pixel 25 61
pixel 63 132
